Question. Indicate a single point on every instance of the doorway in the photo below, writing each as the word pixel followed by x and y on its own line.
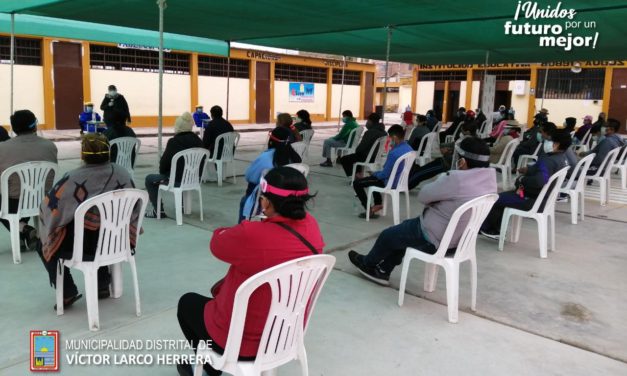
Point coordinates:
pixel 438 99
pixel 68 84
pixel 262 92
pixel 618 98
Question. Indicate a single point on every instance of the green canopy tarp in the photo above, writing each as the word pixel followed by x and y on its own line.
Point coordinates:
pixel 424 31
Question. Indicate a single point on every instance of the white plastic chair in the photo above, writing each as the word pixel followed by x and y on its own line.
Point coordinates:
pixel 575 187
pixel 351 145
pixel 504 165
pixel 300 148
pixel 524 159
pixel 230 141
pixel 190 181
pixel 583 146
pixel 125 147
pixel 452 137
pixel 115 209
pixel 32 177
pixel 545 218
pixel 437 127
pixel 621 167
pixel 307 136
pixel 377 159
pixel 602 176
pixel 424 154
pixel 303 168
pixel 485 129
pixel 477 209
pixel 295 287
pixel 395 192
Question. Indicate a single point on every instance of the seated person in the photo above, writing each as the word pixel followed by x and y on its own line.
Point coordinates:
pixel 183 139
pixel 569 124
pixel 26 146
pixel 199 116
pixel 303 120
pixel 89 115
pixel 441 198
pixel 419 174
pixel 380 178
pixel 4 135
pixel 480 116
pixel 418 132
pixel 530 183
pixel 285 120
pixel 432 120
pixel 250 248
pixel 119 129
pixel 607 139
pixel 340 139
pixel 56 221
pixel 531 138
pixel 498 148
pixel 460 116
pixel 546 131
pixel 374 130
pixel 279 153
pixel 408 118
pixel 581 132
pixel 217 126
pixel 601 120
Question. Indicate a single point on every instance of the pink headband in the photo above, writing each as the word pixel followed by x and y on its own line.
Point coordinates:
pixel 267 188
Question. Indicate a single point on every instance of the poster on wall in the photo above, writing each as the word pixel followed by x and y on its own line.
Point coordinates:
pixel 489 89
pixel 301 92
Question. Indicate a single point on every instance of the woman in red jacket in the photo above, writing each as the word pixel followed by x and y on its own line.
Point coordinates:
pixel 252 247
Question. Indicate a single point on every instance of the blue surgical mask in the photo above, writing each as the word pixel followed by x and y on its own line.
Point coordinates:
pixel 548 146
pixel 539 137
pixel 89 109
pixel 199 110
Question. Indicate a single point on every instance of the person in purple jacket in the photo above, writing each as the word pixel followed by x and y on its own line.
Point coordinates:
pixel 473 178
pixel 380 178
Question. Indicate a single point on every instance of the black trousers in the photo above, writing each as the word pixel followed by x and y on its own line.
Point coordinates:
pixel 13 204
pixel 191 316
pixel 360 186
pixel 418 174
pixel 348 161
pixel 508 199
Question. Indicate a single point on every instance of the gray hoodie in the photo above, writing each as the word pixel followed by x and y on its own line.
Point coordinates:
pixel 447 193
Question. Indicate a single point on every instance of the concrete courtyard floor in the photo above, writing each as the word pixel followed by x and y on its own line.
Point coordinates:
pixel 558 316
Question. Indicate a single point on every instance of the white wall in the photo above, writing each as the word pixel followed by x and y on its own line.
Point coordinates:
pixel 212 91
pixel 404 98
pixel 424 97
pixel 462 94
pixel 474 101
pixel 141 91
pixel 560 109
pixel 282 103
pixel 520 102
pixel 350 100
pixel 28 94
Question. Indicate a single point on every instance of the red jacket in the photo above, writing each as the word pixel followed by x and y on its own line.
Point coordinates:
pixel 252 247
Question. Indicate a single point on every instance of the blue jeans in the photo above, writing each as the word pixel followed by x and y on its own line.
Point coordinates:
pixel 389 249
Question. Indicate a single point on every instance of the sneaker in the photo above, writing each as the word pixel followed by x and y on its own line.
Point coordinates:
pixel 326 164
pixel 562 198
pixel 490 235
pixel 374 274
pixel 32 237
pixel 153 214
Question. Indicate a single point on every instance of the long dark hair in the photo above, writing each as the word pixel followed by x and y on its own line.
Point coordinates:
pixel 293 207
pixel 303 115
pixel 283 152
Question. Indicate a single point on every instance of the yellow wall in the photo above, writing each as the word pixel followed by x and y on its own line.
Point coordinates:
pixel 212 91
pixel 350 100
pixel 28 91
pixel 560 109
pixel 282 103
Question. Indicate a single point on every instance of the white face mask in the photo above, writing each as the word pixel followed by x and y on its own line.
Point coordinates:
pixel 113 93
pixel 548 146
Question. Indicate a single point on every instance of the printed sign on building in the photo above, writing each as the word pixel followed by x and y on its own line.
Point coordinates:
pixel 301 92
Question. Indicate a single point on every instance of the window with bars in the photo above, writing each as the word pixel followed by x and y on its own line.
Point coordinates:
pixel 444 75
pixel 564 84
pixel 115 58
pixel 350 77
pixel 27 51
pixel 299 73
pixel 504 74
pixel 217 67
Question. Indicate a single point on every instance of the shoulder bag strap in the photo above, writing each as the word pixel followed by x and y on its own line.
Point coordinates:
pixel 299 236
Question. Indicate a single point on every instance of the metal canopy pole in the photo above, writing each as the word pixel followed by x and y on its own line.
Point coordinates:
pixel 546 77
pixel 228 80
pixel 385 82
pixel 12 57
pixel 162 6
pixel 339 119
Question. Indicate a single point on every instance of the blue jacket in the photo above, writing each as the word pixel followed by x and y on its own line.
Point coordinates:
pixel 253 175
pixel 84 117
pixel 607 144
pixel 394 154
pixel 199 117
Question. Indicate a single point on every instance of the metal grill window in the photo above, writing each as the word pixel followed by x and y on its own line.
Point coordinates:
pixel 217 67
pixel 446 75
pixel 27 51
pixel 350 77
pixel 505 74
pixel 126 59
pixel 564 84
pixel 299 73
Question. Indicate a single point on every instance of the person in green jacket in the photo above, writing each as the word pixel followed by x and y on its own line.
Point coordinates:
pixel 340 139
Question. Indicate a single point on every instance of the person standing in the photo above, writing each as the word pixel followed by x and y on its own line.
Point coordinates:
pixel 114 101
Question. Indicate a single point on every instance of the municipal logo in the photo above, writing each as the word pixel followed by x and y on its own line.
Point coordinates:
pixel 44 350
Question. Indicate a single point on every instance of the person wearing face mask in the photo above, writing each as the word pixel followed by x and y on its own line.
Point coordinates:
pixel 303 120
pixel 460 117
pixel 374 131
pixel 581 132
pixel 546 132
pixel 114 101
pixel 380 178
pixel 472 178
pixel 528 186
pixel 199 116
pixel 340 139
pixel 480 116
pixel 607 139
pixel 418 132
pixel 89 114
pixel 530 138
pixel 507 135
pixel 432 120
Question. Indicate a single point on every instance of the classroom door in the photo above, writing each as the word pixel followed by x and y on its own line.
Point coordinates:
pixel 262 92
pixel 618 98
pixel 68 84
pixel 368 94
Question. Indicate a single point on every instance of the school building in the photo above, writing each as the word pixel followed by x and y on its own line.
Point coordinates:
pixel 55 76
